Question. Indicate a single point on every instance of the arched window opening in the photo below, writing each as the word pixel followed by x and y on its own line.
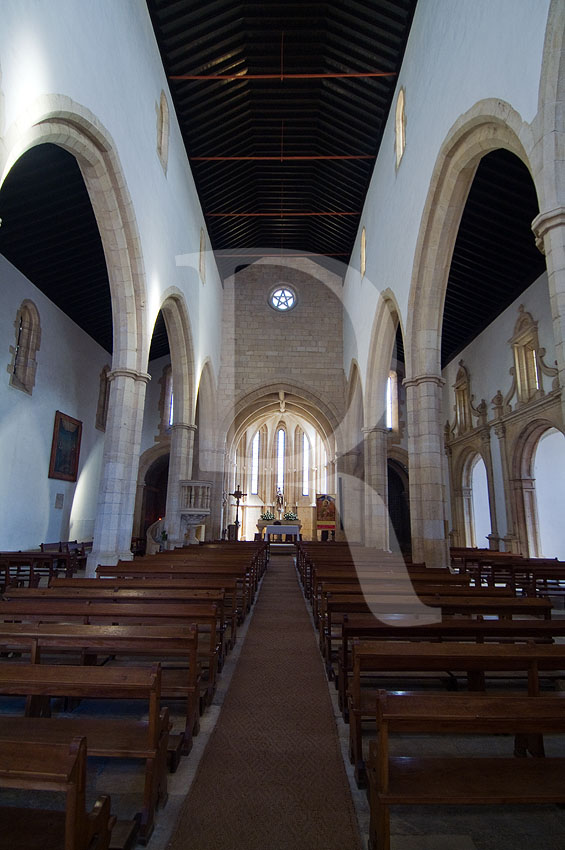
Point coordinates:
pixel 527 358
pixel 27 340
pixel 255 464
pixel 391 415
pixel 400 127
pixel 280 459
pixel 324 487
pixel 166 401
pixel 305 466
pixel 481 513
pixel 163 125
pixel 549 463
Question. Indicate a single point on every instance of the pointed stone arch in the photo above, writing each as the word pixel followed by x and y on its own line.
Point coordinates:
pixel 59 120
pixel 523 485
pixel 383 335
pixel 489 125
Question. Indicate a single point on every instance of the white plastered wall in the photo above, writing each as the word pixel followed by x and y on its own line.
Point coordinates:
pixel 458 54
pixel 67 379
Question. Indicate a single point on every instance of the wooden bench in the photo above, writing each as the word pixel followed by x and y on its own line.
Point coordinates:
pixel 457 780
pixel 232 589
pixel 142 569
pixel 367 628
pixel 203 614
pixel 107 736
pixel 56 767
pixel 174 647
pixel 401 609
pixel 385 657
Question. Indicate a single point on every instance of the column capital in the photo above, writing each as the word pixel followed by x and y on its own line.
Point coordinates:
pixel 546 221
pixel 129 373
pixel 374 429
pixel 424 379
pixel 183 426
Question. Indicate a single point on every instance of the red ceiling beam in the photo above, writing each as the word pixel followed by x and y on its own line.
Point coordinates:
pixel 281 77
pixel 276 214
pixel 279 158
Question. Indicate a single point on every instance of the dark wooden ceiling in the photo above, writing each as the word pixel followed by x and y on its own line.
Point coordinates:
pixel 258 206
pixel 283 187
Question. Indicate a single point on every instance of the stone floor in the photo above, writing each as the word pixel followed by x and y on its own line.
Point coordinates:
pixel 412 828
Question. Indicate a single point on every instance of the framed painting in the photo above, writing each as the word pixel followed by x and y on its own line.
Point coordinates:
pixel 65 447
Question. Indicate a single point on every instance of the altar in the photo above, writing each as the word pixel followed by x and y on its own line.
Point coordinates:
pixel 293 530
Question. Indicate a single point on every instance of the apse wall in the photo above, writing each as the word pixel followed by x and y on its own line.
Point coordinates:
pixel 67 379
pixel 302 348
pixel 458 55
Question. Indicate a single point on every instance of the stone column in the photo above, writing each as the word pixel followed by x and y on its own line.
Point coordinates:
pixel 493 537
pixel 549 229
pixel 350 498
pixel 376 490
pixel 180 469
pixel 511 543
pixel 427 489
pixel 118 482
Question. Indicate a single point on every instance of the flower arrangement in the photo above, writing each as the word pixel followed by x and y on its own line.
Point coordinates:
pixel 290 515
pixel 267 515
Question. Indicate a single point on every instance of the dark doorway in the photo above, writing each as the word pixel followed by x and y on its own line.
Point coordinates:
pixel 155 495
pixel 399 505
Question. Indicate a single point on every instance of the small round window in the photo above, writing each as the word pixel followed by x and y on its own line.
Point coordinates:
pixel 283 298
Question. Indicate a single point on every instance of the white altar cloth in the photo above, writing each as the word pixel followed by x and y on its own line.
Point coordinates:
pixel 282 529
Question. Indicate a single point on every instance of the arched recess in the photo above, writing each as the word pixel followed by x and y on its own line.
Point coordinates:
pixel 381 351
pixel 398 503
pixel 58 120
pixel 154 459
pixel 471 503
pixel 177 325
pixel 179 333
pixel 378 440
pixel 523 487
pixel 489 125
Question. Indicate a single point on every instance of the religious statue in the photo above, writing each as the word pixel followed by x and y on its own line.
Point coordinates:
pixel 280 501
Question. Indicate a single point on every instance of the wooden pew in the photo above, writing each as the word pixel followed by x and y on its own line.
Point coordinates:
pixel 443 605
pixel 107 737
pixel 174 647
pixel 232 589
pixel 143 569
pixel 380 657
pixel 60 767
pixel 95 593
pixel 367 628
pixel 460 780
pixel 203 614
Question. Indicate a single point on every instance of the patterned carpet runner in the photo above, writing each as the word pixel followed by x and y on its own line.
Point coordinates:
pixel 272 775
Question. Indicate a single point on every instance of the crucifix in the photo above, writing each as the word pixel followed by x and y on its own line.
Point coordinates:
pixel 237 494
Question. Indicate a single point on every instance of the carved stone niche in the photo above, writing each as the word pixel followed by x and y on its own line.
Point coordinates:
pixel 529 365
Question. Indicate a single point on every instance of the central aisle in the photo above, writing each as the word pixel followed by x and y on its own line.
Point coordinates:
pixel 272 775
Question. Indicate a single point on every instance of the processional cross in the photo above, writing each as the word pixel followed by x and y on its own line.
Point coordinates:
pixel 238 495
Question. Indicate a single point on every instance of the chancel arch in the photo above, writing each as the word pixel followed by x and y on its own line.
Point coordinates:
pixel 258 425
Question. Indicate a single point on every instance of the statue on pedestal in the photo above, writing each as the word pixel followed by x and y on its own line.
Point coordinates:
pixel 280 502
